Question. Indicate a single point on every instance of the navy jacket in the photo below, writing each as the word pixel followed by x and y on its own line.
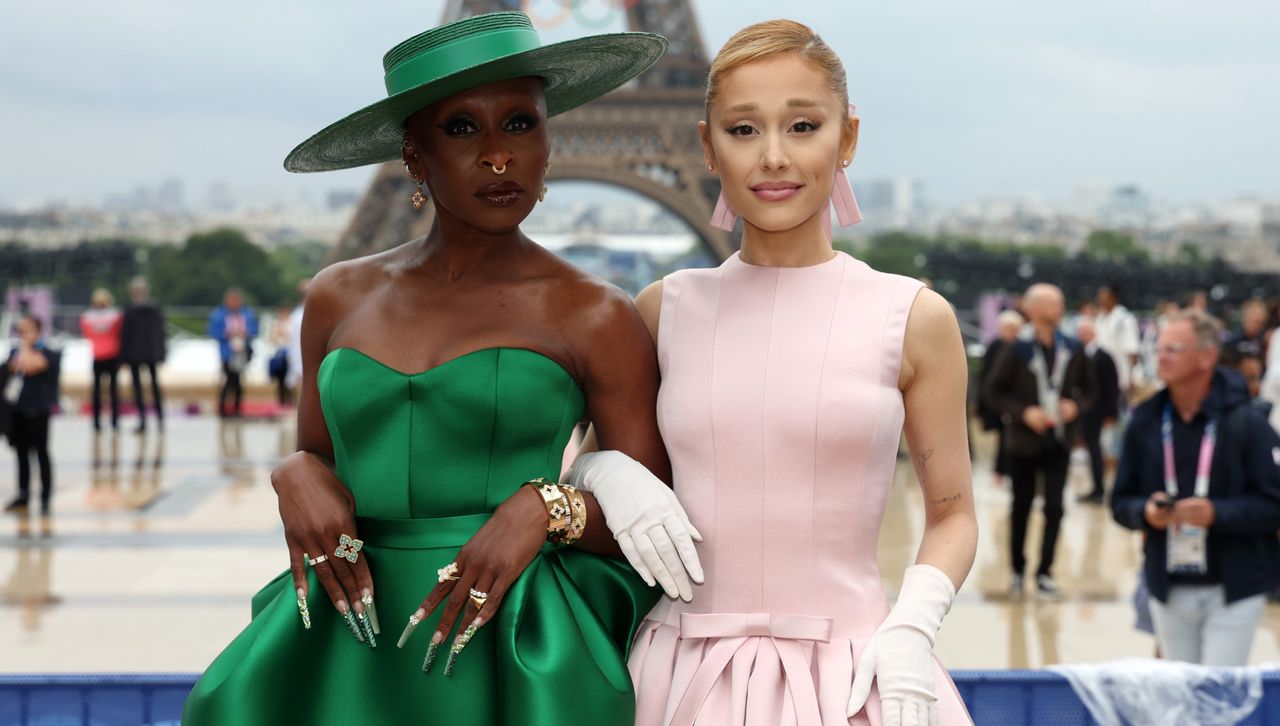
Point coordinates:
pixel 142 334
pixel 4 402
pixel 1010 388
pixel 989 416
pixel 39 393
pixel 1244 486
pixel 1107 402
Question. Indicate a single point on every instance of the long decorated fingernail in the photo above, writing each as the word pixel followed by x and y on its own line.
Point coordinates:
pixel 351 621
pixel 367 599
pixel 436 640
pixel 408 629
pixel 303 610
pixel 458 645
pixel 367 628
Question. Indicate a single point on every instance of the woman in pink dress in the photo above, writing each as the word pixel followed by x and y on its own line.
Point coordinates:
pixel 788 374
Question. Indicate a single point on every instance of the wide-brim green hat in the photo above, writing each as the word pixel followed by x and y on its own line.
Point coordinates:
pixel 467 53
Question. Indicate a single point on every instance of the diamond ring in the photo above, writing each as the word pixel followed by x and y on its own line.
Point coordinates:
pixel 447 573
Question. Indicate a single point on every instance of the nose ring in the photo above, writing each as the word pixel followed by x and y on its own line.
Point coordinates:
pixel 499 169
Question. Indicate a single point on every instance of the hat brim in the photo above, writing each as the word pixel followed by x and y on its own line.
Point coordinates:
pixel 573 71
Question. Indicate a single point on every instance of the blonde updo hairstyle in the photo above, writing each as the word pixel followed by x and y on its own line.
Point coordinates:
pixel 777 37
pixel 102 298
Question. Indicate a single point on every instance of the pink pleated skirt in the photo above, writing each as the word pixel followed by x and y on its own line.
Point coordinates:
pixel 756 669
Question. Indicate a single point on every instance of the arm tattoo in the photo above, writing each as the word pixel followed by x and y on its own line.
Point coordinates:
pixel 948 500
pixel 922 464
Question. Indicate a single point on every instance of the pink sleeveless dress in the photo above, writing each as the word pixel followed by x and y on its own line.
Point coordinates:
pixel 781 412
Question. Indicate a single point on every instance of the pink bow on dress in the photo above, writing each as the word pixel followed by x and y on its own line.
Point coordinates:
pixel 841 196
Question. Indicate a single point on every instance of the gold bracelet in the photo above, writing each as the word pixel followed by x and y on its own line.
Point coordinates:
pixel 559 513
pixel 577 519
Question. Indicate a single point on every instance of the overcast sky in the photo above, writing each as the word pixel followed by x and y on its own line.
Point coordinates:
pixel 977 98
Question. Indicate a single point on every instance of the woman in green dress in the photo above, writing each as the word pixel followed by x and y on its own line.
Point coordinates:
pixel 439 379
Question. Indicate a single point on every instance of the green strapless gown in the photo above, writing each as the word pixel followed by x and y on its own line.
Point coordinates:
pixel 429 456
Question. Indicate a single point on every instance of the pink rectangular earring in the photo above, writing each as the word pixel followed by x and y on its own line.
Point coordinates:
pixel 723 217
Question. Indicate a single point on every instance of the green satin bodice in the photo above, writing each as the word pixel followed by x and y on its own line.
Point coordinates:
pixel 455 439
pixel 428 456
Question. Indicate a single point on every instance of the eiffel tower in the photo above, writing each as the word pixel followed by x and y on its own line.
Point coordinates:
pixel 641 137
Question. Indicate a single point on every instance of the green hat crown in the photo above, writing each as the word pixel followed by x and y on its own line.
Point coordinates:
pixel 449 48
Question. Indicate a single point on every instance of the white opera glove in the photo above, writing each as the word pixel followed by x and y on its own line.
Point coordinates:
pixel 645 517
pixel 900 654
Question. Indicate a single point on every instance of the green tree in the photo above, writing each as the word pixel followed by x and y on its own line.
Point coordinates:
pixel 297 261
pixel 1108 244
pixel 896 252
pixel 1189 254
pixel 200 271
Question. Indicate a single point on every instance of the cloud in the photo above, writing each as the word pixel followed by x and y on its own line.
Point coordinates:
pixel 1133 86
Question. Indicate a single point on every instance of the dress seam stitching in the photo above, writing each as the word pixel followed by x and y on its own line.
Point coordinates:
pixel 493 430
pixel 564 414
pixel 408 463
pixel 764 416
pixel 711 418
pixel 664 334
pixel 822 378
pixel 879 418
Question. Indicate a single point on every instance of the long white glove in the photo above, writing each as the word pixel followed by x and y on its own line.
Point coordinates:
pixel 647 521
pixel 900 654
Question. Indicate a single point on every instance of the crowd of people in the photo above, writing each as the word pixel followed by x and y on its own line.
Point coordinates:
pixel 135 337
pixel 1180 409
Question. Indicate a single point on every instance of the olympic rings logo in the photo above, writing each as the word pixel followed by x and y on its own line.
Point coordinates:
pixel 576 9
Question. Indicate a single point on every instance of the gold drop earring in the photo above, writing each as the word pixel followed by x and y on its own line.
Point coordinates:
pixel 418 199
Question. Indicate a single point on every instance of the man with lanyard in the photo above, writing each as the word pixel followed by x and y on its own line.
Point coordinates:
pixel 1039 387
pixel 1199 476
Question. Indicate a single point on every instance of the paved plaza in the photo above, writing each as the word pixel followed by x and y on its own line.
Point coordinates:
pixel 157 542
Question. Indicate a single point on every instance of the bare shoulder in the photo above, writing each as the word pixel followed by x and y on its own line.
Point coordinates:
pixel 337 281
pixel 335 289
pixel 930 314
pixel 649 303
pixel 932 337
pixel 598 305
pixel 597 314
